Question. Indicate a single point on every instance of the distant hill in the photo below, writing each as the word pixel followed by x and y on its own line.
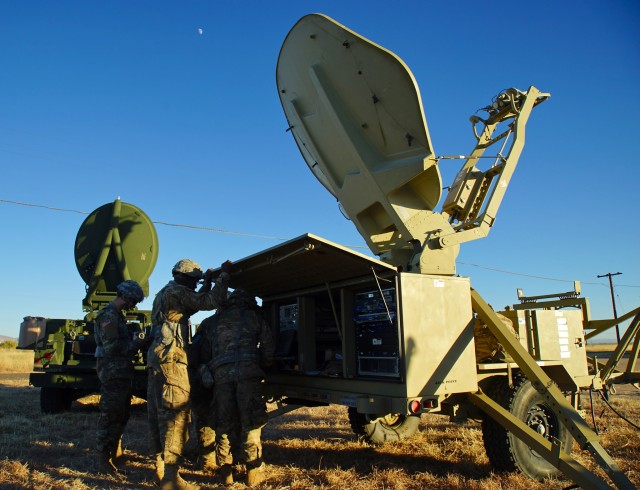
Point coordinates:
pixel 4 337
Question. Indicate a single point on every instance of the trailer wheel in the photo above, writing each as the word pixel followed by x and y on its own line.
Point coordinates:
pixel 379 429
pixel 55 400
pixel 505 451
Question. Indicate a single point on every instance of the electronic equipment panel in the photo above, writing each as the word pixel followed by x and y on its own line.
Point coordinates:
pixel 375 318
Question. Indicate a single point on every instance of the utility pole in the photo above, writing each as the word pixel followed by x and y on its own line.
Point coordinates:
pixel 613 299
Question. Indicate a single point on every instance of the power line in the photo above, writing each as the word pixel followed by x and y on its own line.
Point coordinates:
pixel 529 275
pixel 543 277
pixel 204 228
pixel 217 230
pixel 42 206
pixel 239 233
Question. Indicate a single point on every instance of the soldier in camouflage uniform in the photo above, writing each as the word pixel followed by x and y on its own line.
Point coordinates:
pixel 169 387
pixel 115 349
pixel 236 347
pixel 201 399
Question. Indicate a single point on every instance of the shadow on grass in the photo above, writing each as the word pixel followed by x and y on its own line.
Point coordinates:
pixel 367 459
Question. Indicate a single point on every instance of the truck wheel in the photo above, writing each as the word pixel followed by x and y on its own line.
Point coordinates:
pixel 55 400
pixel 380 429
pixel 505 451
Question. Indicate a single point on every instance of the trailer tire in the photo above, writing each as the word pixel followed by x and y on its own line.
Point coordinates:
pixel 55 400
pixel 505 451
pixel 380 429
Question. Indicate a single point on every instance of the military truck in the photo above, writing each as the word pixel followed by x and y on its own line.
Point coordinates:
pixel 393 337
pixel 116 242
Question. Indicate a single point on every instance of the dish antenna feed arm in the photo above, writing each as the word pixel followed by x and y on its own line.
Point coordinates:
pixel 473 200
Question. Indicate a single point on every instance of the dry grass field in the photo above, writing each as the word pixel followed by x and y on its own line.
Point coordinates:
pixel 310 448
pixel 597 348
pixel 16 361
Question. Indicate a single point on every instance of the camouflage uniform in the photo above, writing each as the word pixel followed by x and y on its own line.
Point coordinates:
pixel 237 344
pixel 114 353
pixel 169 387
pixel 201 399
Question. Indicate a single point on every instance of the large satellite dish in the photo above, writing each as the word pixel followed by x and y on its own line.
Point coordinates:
pixel 115 242
pixel 355 112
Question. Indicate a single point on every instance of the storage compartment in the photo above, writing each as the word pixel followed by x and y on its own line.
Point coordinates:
pixel 350 328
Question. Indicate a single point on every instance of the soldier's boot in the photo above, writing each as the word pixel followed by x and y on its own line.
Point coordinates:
pixel 119 452
pixel 105 463
pixel 255 476
pixel 159 465
pixel 173 481
pixel 226 474
pixel 207 462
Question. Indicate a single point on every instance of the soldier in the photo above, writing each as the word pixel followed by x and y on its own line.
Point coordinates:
pixel 115 348
pixel 168 389
pixel 201 399
pixel 236 347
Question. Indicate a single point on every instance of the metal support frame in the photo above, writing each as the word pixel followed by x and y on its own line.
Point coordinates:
pixel 549 451
pixel 599 326
pixel 631 334
pixel 582 433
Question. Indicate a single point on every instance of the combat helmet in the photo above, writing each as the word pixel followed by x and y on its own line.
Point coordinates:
pixel 131 290
pixel 188 268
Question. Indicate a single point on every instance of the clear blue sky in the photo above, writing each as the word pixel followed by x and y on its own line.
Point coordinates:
pixel 107 99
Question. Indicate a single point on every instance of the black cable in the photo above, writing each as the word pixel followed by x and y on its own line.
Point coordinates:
pixel 617 413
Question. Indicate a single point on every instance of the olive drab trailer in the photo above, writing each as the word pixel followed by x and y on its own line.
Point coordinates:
pixel 116 242
pixel 394 337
